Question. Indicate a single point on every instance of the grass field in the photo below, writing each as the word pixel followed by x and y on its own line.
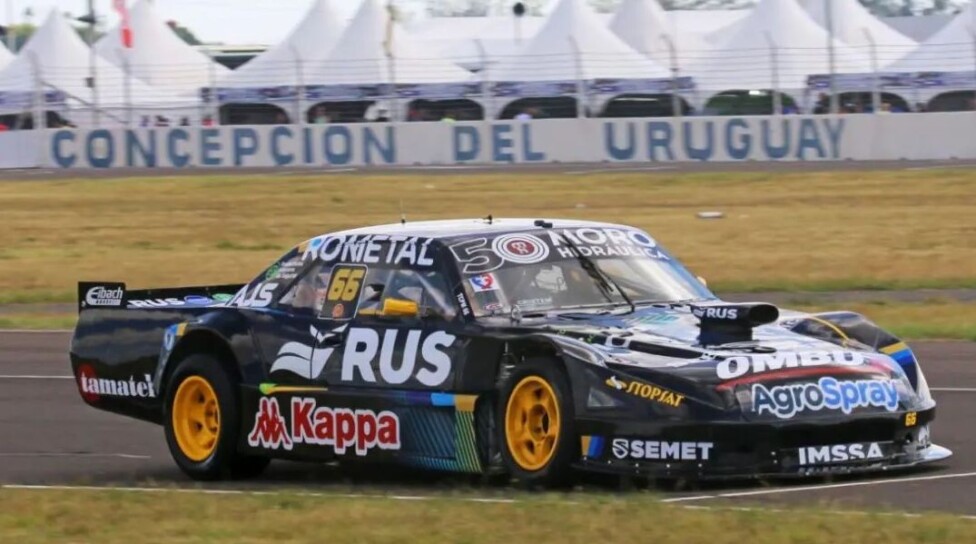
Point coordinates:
pixel 814 231
pixel 47 517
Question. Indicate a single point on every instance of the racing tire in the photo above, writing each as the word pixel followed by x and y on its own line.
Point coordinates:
pixel 537 425
pixel 202 422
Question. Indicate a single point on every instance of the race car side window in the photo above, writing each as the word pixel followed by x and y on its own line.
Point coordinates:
pixel 308 294
pixel 426 288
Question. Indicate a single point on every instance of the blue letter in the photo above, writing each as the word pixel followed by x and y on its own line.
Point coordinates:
pixel 527 153
pixel 333 157
pixel 501 143
pixel 132 145
pixel 387 152
pixel 809 137
pixel 177 159
pixel 742 151
pixel 307 145
pixel 280 159
pixel 61 159
pixel 835 134
pixel 609 142
pixel 245 144
pixel 699 153
pixel 109 157
pixel 659 135
pixel 468 152
pixel 209 143
pixel 772 151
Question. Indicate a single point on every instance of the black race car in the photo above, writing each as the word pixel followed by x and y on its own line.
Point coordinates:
pixel 532 347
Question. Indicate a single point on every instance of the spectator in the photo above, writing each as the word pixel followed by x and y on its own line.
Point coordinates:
pixel 524 115
pixel 320 116
pixel 281 118
pixel 162 121
pixel 382 116
pixel 449 117
pixel 823 104
pixel 885 107
pixel 184 121
pixel 207 121
pixel 920 107
pixel 145 122
pixel 3 127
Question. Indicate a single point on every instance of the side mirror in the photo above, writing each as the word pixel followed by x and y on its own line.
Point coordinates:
pixel 394 307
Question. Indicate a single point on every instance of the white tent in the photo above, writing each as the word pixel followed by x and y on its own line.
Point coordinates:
pixel 856 26
pixel 919 27
pixel 574 44
pixel 375 50
pixel 309 43
pixel 949 50
pixel 705 21
pixel 5 56
pixel 646 27
pixel 776 47
pixel 63 61
pixel 158 56
pixel 474 42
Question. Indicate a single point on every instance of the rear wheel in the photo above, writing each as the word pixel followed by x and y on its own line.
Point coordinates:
pixel 202 422
pixel 537 423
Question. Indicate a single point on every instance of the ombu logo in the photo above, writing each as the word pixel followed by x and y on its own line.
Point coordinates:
pixel 340 428
pixel 646 391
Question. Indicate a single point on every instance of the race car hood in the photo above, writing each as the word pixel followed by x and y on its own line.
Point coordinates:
pixel 775 374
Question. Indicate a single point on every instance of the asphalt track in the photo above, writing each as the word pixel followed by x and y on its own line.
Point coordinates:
pixel 49 437
pixel 568 169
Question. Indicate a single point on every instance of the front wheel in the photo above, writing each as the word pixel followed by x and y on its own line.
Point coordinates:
pixel 202 422
pixel 537 423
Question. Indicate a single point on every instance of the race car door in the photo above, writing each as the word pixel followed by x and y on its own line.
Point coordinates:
pixel 402 333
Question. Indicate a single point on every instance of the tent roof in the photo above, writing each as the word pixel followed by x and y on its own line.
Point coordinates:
pixel 360 57
pixel 851 20
pixel 647 28
pixel 949 50
pixel 744 53
pixel 919 27
pixel 311 41
pixel 457 38
pixel 574 43
pixel 64 64
pixel 704 21
pixel 158 56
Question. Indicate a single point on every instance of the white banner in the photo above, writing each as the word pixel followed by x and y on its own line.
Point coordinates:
pixel 21 148
pixel 706 139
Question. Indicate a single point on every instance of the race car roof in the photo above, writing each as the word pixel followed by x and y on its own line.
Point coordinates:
pixel 469 227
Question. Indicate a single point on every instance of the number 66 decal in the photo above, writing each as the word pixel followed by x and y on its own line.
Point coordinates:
pixel 342 296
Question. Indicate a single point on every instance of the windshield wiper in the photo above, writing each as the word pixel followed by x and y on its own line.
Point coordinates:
pixel 604 280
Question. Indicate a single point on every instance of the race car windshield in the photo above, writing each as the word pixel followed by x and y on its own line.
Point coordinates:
pixel 561 281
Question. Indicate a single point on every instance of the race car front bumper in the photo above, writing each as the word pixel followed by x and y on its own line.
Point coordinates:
pixel 749 450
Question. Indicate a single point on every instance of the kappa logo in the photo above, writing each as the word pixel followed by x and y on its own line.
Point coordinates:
pixel 738 366
pixel 840 453
pixel 339 428
pixel 269 429
pixel 102 296
pixel 304 360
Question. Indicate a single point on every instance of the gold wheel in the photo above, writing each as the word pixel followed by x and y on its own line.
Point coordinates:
pixel 532 423
pixel 196 418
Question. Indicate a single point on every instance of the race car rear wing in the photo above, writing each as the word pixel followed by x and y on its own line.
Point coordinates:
pixel 113 295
